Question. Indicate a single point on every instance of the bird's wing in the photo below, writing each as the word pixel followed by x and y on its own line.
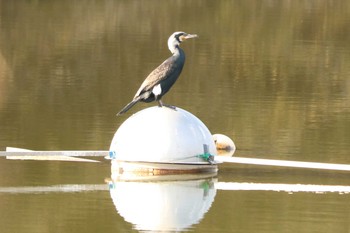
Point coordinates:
pixel 162 72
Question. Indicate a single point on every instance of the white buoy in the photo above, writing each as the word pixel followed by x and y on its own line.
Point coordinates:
pixel 163 139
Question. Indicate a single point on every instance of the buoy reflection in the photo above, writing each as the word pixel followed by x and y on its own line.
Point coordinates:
pixel 171 203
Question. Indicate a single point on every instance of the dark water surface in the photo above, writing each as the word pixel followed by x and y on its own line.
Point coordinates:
pixel 272 75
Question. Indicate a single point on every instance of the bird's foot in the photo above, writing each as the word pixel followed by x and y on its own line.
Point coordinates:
pixel 170 106
pixel 161 104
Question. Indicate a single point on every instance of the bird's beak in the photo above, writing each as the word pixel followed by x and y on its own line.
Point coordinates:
pixel 189 36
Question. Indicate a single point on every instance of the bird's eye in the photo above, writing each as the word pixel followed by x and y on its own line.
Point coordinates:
pixel 182 37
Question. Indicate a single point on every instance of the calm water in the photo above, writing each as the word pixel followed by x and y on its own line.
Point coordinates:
pixel 272 75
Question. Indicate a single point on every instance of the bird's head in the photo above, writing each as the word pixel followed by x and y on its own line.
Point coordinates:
pixel 177 37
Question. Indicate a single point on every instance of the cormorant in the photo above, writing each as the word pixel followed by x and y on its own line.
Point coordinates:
pixel 160 80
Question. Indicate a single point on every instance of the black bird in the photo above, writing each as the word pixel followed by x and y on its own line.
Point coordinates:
pixel 160 80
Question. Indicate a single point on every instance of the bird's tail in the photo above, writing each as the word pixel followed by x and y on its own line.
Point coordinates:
pixel 128 106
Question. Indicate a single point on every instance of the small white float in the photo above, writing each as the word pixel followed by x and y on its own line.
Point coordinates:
pixel 162 141
pixel 224 145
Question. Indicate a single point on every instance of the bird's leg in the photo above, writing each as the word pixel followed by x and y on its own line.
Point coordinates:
pixel 160 103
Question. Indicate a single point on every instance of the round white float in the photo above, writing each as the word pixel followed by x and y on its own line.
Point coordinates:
pixel 163 135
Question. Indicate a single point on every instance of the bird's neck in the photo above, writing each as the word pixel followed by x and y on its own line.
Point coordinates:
pixel 177 51
pixel 173 48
